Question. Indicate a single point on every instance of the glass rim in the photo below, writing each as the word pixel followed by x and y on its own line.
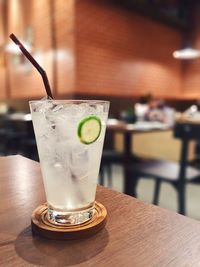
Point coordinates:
pixel 71 101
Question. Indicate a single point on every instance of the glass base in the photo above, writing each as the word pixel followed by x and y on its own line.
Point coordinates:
pixel 69 218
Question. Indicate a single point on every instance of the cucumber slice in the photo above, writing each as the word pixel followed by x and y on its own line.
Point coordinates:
pixel 89 129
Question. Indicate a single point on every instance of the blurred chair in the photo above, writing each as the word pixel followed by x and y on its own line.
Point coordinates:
pixel 3 136
pixel 109 157
pixel 195 162
pixel 19 137
pixel 15 133
pixel 178 174
pixel 28 144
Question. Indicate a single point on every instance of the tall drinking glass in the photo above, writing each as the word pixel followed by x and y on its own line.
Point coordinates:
pixel 70 136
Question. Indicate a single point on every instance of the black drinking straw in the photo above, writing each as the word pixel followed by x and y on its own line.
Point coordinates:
pixel 35 64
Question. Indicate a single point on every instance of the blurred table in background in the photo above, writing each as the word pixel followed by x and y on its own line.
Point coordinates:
pixel 128 131
pixel 145 144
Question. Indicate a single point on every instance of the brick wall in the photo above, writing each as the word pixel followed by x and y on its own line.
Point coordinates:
pixel 2 54
pixel 118 52
pixel 52 40
pixel 25 16
pixel 191 68
pixel 96 48
pixel 63 16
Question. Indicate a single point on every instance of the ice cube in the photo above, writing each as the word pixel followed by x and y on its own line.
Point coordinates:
pixel 100 109
pixel 75 110
pixel 57 107
pixel 42 106
pixel 46 98
pixel 79 162
pixel 92 110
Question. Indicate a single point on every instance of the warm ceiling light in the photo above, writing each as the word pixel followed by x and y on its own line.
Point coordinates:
pixel 186 53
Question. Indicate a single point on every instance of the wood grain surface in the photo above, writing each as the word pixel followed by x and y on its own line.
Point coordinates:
pixel 136 234
pixel 44 228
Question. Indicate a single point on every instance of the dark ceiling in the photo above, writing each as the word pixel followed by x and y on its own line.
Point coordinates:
pixel 175 13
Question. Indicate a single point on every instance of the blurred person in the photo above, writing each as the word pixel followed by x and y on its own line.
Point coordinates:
pixel 193 112
pixel 141 107
pixel 159 111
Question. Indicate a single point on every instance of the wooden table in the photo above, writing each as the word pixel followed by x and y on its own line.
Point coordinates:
pixel 136 234
pixel 128 130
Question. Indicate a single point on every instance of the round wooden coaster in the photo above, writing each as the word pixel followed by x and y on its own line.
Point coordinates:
pixel 41 225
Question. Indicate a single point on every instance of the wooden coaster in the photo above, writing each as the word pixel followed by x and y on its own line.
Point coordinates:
pixel 41 226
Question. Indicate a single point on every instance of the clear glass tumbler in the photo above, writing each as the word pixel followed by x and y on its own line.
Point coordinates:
pixel 70 136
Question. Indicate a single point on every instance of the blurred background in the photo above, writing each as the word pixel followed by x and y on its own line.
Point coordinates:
pixel 142 55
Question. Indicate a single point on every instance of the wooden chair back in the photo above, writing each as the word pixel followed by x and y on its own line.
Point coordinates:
pixel 186 132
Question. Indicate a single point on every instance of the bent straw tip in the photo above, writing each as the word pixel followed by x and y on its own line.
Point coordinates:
pixel 34 62
pixel 14 38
